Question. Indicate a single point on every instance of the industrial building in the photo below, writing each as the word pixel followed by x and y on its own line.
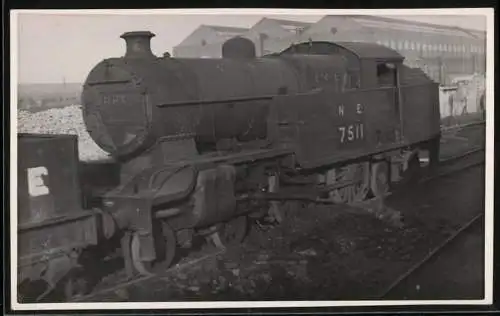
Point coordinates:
pixel 443 52
pixel 206 41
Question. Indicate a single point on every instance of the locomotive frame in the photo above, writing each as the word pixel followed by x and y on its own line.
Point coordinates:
pixel 355 121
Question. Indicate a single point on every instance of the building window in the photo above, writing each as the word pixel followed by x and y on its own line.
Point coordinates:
pixel 412 45
pixel 418 46
pixel 407 45
pixel 393 44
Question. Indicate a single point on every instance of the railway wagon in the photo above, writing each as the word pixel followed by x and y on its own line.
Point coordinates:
pixel 53 228
pixel 203 145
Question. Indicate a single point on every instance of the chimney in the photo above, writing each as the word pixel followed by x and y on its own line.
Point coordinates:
pixel 138 44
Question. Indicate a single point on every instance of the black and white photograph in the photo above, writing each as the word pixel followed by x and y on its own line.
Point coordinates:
pixel 241 158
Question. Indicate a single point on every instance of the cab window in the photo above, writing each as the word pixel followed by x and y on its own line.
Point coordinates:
pixel 351 80
pixel 386 74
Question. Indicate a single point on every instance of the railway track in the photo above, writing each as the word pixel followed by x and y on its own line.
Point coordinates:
pixel 449 129
pixel 457 163
pixel 476 220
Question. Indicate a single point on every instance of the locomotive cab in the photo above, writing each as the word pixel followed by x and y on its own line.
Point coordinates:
pixel 376 112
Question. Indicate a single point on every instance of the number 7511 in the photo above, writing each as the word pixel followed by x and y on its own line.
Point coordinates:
pixel 352 132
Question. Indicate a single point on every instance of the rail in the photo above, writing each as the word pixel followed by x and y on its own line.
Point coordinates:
pixel 432 254
pixel 461 126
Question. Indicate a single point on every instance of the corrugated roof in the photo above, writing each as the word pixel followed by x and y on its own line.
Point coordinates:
pixel 227 29
pixel 291 23
pixel 420 26
pixel 479 34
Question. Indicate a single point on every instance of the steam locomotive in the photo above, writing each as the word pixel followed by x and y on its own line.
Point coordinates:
pixel 202 145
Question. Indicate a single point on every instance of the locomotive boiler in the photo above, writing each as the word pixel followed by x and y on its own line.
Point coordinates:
pixel 133 102
pixel 203 145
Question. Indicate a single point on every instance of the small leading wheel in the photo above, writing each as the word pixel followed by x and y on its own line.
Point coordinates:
pixel 231 232
pixel 380 179
pixel 141 266
pixel 165 246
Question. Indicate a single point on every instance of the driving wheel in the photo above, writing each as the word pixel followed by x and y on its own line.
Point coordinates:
pixel 355 192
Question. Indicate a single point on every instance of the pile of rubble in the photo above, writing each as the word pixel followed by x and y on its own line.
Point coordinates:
pixel 67 120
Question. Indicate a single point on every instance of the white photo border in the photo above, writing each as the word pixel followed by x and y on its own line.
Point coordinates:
pixel 489 174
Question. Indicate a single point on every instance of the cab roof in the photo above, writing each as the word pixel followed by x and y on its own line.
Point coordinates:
pixel 361 50
pixel 370 50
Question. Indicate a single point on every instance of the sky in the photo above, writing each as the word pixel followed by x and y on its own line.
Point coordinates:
pixel 64 47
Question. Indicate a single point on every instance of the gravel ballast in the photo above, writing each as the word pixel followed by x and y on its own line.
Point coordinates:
pixel 67 120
